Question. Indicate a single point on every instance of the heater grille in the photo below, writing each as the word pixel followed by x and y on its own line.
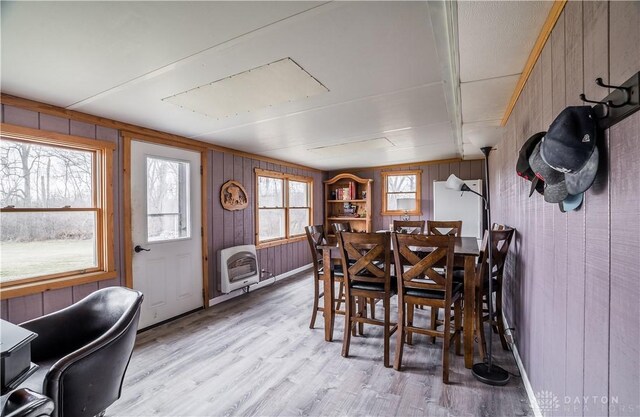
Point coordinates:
pixel 239 267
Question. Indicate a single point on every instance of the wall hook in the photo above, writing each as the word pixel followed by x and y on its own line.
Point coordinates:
pixel 625 91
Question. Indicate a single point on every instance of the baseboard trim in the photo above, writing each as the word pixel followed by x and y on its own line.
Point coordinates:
pixel 523 373
pixel 264 283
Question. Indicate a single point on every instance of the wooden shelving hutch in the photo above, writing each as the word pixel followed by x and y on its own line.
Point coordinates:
pixel 347 200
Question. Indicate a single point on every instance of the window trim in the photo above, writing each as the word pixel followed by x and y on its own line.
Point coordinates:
pixel 418 207
pixel 286 177
pixel 103 207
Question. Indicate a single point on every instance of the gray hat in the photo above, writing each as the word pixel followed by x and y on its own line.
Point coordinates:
pixel 555 188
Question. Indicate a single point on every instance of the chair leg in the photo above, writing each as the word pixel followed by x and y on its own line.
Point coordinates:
pixel 316 297
pixel 446 343
pixel 410 308
pixel 401 335
pixel 457 324
pixel 479 327
pixel 362 312
pixel 435 311
pixel 499 321
pixel 348 313
pixel 387 330
pixel 340 296
pixel 372 304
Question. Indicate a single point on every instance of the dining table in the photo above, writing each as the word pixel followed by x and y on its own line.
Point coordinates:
pixel 466 250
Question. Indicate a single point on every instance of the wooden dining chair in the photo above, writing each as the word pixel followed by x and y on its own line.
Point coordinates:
pixel 425 283
pixel 438 227
pixel 409 226
pixel 366 260
pixel 316 236
pixel 501 239
pixel 341 227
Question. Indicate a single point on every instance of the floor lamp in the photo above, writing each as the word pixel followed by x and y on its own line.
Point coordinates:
pixel 484 372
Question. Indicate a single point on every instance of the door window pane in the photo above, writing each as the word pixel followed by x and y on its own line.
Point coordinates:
pixel 168 202
pixel 45 243
pixel 298 220
pixel 40 176
pixel 271 224
pixel 270 192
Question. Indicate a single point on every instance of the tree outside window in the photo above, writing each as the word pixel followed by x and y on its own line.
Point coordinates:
pixel 283 206
pixel 400 184
pixel 53 200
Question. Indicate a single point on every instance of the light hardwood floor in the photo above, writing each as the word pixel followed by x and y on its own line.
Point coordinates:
pixel 256 356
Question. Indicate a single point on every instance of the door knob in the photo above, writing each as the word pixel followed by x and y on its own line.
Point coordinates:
pixel 139 249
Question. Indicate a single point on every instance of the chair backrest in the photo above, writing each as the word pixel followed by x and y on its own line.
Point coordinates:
pixel 89 378
pixel 315 237
pixel 437 227
pixel 341 227
pixel 423 257
pixel 415 227
pixel 366 257
pixel 501 239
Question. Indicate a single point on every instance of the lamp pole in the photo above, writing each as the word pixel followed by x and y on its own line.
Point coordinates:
pixel 489 373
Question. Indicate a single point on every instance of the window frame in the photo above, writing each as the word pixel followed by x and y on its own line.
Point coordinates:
pixel 418 206
pixel 102 182
pixel 288 238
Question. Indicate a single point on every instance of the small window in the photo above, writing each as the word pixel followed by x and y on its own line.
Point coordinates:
pixel 400 185
pixel 167 199
pixel 283 206
pixel 56 227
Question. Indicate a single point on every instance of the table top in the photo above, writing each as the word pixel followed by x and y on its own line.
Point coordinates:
pixel 13 337
pixel 466 245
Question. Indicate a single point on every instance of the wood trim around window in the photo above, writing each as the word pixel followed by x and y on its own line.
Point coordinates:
pixel 103 198
pixel 418 209
pixel 286 177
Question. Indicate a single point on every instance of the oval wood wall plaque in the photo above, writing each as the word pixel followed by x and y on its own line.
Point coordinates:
pixel 233 196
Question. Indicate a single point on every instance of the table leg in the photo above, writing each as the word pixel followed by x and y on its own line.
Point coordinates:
pixel 329 295
pixel 469 310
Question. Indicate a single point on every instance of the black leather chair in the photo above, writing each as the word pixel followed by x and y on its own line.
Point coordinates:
pixel 26 403
pixel 84 350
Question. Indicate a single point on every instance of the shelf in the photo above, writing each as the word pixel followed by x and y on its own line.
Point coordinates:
pixel 346 201
pixel 347 218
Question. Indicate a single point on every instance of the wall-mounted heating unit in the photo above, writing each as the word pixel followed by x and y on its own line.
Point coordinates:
pixel 238 267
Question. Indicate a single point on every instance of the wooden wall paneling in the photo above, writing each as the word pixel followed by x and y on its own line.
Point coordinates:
pixel 597 203
pixel 217 240
pixel 546 218
pixel 54 124
pixel 86 130
pixel 55 300
pixel 228 216
pixel 477 169
pixel 433 176
pixel 247 213
pixel 25 308
pixel 624 36
pixel 81 291
pixel 575 220
pixel 238 215
pixel 376 203
pixel 624 346
pixel 4 310
pixel 21 117
pixel 559 308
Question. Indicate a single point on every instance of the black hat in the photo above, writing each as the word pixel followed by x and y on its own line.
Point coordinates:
pixel 570 147
pixel 524 169
pixel 555 189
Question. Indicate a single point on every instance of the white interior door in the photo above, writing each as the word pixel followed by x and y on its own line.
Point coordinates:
pixel 166 230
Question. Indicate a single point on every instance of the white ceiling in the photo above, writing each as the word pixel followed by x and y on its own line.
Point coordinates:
pixel 379 61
